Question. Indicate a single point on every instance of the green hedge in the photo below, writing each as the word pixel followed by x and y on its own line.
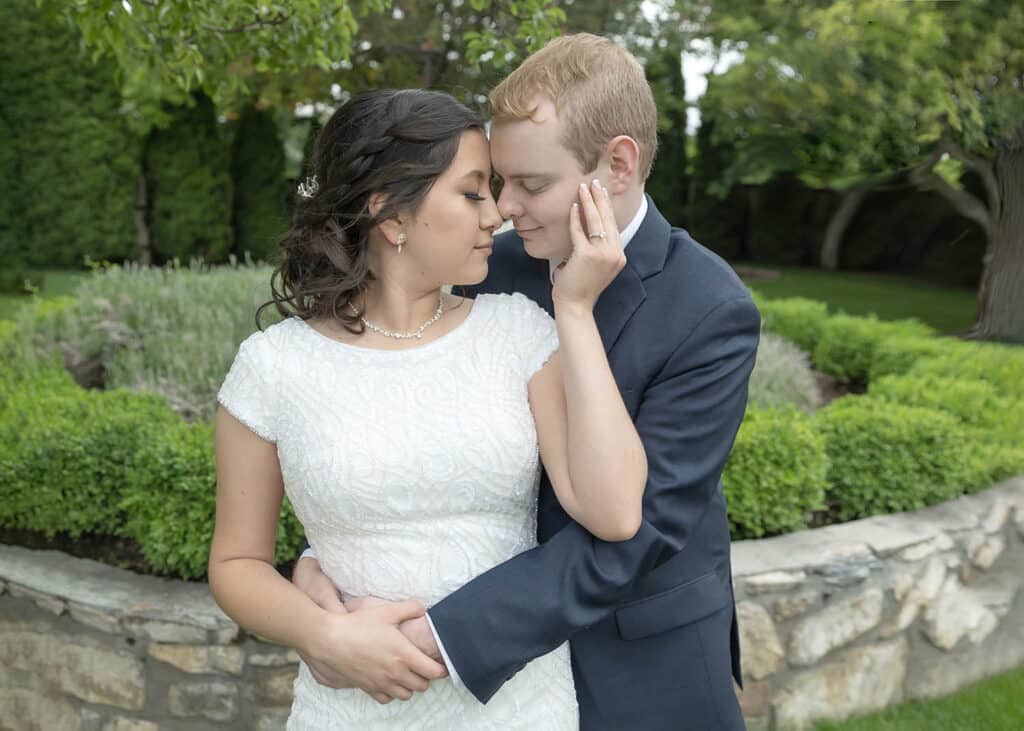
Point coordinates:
pixel 776 473
pixel 69 160
pixel 113 463
pixel 886 457
pixel 795 318
pixel 848 344
pixel 188 168
pixel 257 173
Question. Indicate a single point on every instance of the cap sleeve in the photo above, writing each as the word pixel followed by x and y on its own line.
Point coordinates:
pixel 248 392
pixel 537 336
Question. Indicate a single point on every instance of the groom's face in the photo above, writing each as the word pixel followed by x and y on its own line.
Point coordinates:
pixel 540 180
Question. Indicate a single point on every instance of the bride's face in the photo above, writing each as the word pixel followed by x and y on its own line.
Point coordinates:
pixel 449 237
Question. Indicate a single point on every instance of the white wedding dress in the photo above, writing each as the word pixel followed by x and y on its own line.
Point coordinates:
pixel 412 471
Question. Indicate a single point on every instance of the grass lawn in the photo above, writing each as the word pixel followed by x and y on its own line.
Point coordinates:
pixel 55 283
pixel 996 704
pixel 891 297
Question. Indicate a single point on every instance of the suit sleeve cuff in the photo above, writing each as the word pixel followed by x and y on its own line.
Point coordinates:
pixel 452 672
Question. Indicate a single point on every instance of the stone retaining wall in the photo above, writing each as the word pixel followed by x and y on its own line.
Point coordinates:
pixel 835 621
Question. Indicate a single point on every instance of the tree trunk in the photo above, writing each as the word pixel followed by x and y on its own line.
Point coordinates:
pixel 1001 292
pixel 141 227
pixel 849 202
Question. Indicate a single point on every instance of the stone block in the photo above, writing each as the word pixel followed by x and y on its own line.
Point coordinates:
pixel 787 607
pixel 273 659
pixel 918 551
pixel 22 709
pixel 93 617
pixel 49 602
pixel 200 658
pixel 759 642
pixel 984 551
pixel 923 589
pixel 271 721
pixel 274 686
pixel 957 613
pixel 848 564
pixel 834 626
pixel 131 724
pixel 860 681
pixel 75 664
pixel 997 516
pixel 166 632
pixel 774 581
pixel 754 698
pixel 216 701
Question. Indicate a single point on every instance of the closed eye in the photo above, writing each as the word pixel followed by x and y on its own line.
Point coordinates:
pixel 475 197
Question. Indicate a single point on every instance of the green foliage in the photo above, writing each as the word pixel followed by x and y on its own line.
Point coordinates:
pixel 68 452
pixel 975 403
pixel 170 331
pixel 847 345
pixel 68 161
pixel 775 476
pixel 794 318
pixel 1000 365
pixel 886 457
pixel 190 192
pixel 257 173
pixel 668 181
pixel 896 356
pixel 782 376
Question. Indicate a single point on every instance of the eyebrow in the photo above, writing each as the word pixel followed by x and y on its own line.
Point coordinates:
pixel 480 174
pixel 525 176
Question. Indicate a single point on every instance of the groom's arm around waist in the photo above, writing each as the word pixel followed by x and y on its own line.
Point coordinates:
pixel 687 418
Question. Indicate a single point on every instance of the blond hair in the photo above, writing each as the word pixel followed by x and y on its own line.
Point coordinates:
pixel 599 91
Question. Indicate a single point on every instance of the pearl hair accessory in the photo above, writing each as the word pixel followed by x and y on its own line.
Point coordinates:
pixel 309 187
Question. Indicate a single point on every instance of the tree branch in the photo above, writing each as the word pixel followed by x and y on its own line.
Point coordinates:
pixel 978 165
pixel 966 204
pixel 258 24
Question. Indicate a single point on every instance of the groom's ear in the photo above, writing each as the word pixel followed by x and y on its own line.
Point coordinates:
pixel 623 155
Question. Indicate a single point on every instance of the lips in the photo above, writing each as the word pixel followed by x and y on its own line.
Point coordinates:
pixel 524 231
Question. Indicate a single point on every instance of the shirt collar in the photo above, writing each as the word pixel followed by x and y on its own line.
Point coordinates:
pixel 625 235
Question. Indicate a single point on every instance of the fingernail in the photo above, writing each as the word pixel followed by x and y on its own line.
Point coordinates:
pixel 597 183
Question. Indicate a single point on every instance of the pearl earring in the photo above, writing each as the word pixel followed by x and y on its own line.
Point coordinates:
pixel 401 240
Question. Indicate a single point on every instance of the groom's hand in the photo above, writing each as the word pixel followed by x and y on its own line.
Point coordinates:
pixel 314 583
pixel 417 630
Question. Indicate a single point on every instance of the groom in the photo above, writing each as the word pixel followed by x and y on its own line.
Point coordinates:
pixel 651 621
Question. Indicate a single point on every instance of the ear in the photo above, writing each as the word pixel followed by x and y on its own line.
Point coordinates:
pixel 390 227
pixel 623 155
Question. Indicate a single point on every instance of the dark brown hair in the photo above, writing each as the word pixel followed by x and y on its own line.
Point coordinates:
pixel 393 142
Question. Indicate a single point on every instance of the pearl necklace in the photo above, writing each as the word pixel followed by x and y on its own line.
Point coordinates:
pixel 418 333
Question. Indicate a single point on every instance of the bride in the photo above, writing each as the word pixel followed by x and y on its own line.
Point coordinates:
pixel 406 425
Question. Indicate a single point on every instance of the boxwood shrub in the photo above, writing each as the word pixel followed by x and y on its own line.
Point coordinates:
pixel 886 457
pixel 775 476
pixel 794 318
pixel 848 344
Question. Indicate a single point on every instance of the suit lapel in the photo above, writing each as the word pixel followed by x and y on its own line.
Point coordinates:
pixel 645 256
pixel 617 304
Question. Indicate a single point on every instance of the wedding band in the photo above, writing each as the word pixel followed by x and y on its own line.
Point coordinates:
pixel 597 235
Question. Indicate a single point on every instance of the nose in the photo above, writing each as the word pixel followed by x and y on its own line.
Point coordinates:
pixel 508 206
pixel 490 217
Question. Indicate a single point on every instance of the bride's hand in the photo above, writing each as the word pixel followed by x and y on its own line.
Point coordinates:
pixel 367 648
pixel 417 629
pixel 597 256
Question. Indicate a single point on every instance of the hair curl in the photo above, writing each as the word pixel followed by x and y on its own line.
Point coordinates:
pixel 391 142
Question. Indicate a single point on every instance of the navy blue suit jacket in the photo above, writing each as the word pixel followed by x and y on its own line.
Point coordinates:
pixel 651 621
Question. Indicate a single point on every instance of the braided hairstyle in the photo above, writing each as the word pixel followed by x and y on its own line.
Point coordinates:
pixel 392 142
